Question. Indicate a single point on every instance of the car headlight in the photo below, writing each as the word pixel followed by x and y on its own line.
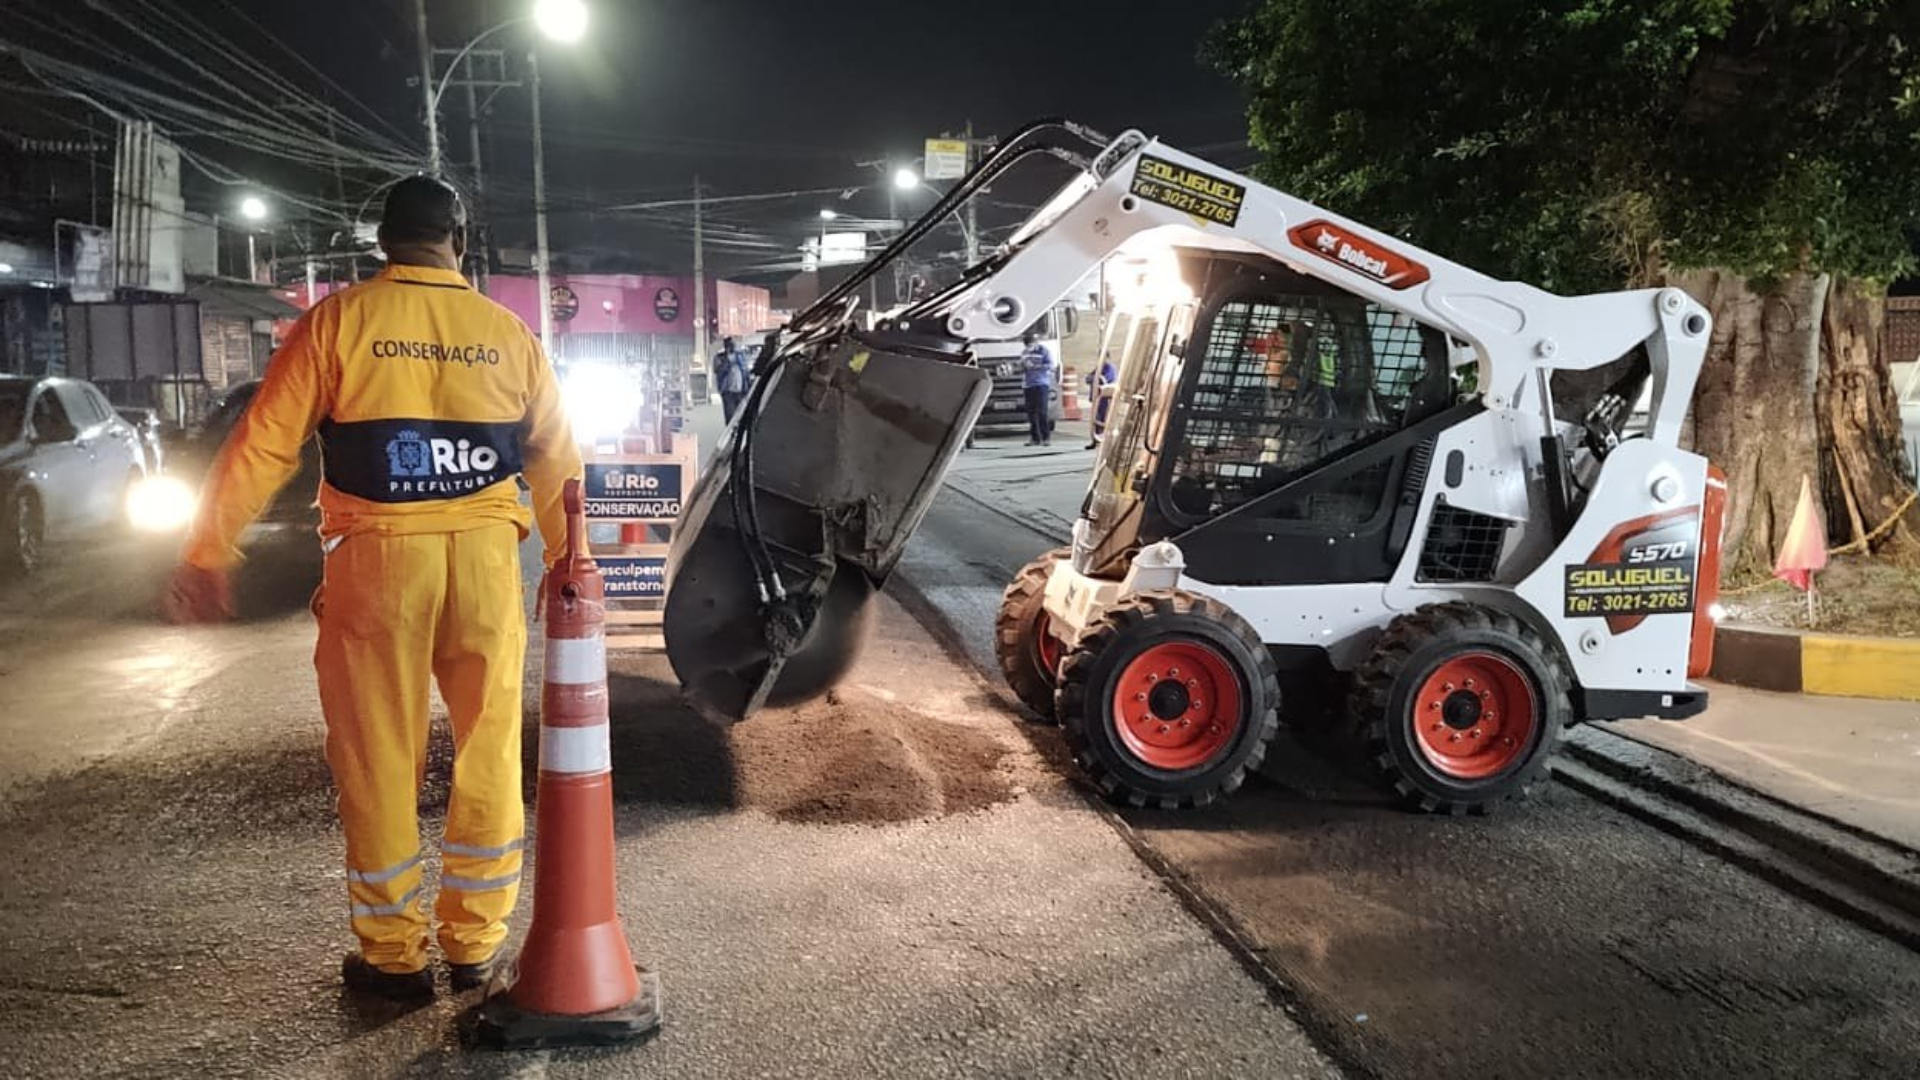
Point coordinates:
pixel 161 504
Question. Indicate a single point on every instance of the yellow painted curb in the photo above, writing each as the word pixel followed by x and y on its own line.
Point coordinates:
pixel 1866 667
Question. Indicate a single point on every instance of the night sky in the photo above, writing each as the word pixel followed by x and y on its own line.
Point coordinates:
pixel 751 97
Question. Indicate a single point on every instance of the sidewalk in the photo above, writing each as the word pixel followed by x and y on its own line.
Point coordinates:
pixel 1853 760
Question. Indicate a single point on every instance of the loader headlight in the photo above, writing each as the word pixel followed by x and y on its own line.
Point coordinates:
pixel 161 504
pixel 1717 612
pixel 1150 280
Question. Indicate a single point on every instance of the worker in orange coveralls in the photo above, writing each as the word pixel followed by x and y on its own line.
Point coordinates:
pixel 428 399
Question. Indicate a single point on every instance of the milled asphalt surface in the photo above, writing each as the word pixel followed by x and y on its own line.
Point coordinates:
pixel 1558 938
pixel 174 900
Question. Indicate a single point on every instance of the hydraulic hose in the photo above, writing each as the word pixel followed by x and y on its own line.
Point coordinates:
pixel 1036 137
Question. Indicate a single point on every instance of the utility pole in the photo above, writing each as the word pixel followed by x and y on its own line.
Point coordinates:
pixel 540 210
pixel 479 188
pixel 333 143
pixel 894 222
pixel 477 69
pixel 699 280
pixel 426 88
pixel 973 216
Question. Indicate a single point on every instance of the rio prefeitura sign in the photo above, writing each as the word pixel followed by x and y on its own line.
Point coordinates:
pixel 634 491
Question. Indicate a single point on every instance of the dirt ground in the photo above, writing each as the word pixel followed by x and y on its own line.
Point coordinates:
pixel 1852 596
pixel 851 758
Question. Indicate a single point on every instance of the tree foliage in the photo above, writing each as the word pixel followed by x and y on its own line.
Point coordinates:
pixel 1577 144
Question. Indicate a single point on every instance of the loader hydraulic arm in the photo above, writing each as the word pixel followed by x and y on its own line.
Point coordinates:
pixel 1139 186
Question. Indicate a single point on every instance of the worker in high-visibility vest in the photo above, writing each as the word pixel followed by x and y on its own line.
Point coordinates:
pixel 429 399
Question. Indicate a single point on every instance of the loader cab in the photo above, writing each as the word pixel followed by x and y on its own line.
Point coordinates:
pixel 1275 427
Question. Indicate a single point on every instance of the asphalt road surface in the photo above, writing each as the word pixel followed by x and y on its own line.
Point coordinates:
pixel 1557 939
pixel 889 883
pixel 903 882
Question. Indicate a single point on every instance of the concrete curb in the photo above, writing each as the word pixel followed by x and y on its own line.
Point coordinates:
pixel 1842 665
pixel 1869 879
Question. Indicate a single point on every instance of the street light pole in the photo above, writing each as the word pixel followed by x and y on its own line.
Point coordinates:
pixel 545 286
pixel 477 235
pixel 893 222
pixel 427 96
pixel 699 278
pixel 973 216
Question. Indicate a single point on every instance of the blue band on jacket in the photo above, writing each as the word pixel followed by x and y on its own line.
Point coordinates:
pixel 408 460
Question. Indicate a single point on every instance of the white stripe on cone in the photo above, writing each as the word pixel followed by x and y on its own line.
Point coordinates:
pixel 577 661
pixel 575 749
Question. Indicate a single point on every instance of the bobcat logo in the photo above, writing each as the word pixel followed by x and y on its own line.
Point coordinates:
pixel 407 455
pixel 1327 241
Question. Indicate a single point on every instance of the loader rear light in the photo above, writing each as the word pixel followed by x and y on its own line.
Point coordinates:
pixel 1707 611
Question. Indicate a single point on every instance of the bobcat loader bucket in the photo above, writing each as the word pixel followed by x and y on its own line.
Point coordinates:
pixel 804 510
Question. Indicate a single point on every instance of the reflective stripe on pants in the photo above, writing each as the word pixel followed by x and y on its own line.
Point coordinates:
pixel 396 612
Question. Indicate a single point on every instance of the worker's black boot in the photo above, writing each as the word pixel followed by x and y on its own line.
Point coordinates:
pixel 470 976
pixel 363 978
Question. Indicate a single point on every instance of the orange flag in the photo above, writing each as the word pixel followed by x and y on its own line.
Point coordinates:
pixel 1805 550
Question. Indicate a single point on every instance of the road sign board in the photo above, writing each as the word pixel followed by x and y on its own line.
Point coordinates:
pixel 634 577
pixel 946 159
pixel 634 490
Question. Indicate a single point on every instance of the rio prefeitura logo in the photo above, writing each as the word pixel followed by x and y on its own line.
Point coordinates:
pixel 420 465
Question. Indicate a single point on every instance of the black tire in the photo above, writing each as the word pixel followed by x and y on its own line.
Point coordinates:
pixel 1500 751
pixel 1114 754
pixel 1017 637
pixel 23 547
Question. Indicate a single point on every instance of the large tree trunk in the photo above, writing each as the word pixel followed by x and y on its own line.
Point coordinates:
pixel 1754 413
pixel 1866 475
pixel 1794 385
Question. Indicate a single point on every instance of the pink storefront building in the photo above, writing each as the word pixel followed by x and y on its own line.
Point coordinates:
pixel 632 317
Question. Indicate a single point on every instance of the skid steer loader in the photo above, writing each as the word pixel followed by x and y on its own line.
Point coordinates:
pixel 1346 482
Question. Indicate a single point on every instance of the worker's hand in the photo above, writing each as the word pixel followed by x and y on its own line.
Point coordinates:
pixel 196 595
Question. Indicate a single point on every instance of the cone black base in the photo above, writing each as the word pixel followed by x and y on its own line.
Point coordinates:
pixel 509 1027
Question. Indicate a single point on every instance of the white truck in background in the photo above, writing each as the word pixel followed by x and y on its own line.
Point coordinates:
pixel 1007 404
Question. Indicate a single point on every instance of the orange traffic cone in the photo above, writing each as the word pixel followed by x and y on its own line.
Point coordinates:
pixel 574 982
pixel 1069 396
pixel 633 532
pixel 1805 551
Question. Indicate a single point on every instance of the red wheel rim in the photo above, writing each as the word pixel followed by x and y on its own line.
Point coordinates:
pixel 1176 706
pixel 1474 717
pixel 1046 646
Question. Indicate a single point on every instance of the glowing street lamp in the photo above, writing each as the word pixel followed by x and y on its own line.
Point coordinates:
pixel 253 208
pixel 564 21
pixel 906 179
pixel 828 215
